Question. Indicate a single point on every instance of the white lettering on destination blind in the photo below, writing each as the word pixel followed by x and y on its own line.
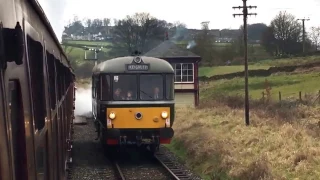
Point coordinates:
pixel 138 67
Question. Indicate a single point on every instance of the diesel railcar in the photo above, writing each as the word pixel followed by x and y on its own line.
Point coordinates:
pixel 36 95
pixel 133 101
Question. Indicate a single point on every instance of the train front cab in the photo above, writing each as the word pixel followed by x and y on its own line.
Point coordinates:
pixel 143 118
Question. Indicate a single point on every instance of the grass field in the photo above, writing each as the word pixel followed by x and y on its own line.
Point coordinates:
pixel 265 64
pixel 216 143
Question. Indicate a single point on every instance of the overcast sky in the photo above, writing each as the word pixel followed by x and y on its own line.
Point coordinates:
pixel 192 13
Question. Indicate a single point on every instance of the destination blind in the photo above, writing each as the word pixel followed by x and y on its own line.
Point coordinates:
pixel 137 67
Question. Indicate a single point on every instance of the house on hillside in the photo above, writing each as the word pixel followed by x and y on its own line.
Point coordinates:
pixel 185 64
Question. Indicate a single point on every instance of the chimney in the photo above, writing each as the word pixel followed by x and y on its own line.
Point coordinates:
pixel 167 37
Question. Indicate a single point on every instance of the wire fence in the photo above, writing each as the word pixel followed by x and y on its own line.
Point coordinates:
pixel 313 98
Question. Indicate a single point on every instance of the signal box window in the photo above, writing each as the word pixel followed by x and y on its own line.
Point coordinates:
pixel 183 72
pixel 151 87
pixel 124 87
pixel 105 89
pixel 169 86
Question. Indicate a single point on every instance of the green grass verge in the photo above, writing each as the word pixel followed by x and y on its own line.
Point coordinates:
pixel 288 84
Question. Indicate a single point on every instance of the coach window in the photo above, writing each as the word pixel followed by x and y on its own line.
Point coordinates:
pixel 151 87
pixel 37 81
pixel 169 87
pixel 124 87
pixel 52 84
pixel 105 87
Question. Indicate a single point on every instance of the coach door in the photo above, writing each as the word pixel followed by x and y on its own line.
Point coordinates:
pixel 14 122
pixel 5 171
pixel 37 89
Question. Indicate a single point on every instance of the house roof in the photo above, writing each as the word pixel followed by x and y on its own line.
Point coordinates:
pixel 169 49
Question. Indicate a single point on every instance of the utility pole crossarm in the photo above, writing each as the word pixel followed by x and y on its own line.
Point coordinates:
pixel 303 32
pixel 241 7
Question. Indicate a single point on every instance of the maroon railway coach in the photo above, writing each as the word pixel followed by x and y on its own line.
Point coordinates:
pixel 37 95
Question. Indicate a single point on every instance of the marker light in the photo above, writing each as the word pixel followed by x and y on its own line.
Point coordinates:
pixel 112 115
pixel 164 114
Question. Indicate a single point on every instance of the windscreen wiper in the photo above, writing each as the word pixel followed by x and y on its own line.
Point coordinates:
pixel 146 94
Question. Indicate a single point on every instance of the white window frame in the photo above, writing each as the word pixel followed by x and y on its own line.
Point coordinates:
pixel 183 82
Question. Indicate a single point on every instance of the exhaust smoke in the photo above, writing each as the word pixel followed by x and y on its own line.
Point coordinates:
pixel 191 44
pixel 83 102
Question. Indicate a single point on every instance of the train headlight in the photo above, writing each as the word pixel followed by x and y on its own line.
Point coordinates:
pixel 112 115
pixel 164 114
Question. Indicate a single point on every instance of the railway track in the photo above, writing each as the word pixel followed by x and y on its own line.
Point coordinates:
pixel 176 172
pixel 169 168
pixel 119 175
pixel 90 161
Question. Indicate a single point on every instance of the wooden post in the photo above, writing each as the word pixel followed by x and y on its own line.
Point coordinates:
pixel 319 96
pixel 300 98
pixel 279 96
pixel 263 96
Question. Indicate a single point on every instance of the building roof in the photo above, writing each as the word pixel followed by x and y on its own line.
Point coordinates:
pixel 169 49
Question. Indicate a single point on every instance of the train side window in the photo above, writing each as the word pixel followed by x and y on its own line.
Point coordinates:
pixel 17 129
pixel 98 88
pixel 52 84
pixel 105 87
pixel 93 86
pixel 169 87
pixel 59 77
pixel 36 67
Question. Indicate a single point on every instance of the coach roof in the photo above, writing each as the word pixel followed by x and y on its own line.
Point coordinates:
pixel 118 65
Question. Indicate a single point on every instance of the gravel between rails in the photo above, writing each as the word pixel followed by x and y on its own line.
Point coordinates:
pixel 89 161
pixel 137 165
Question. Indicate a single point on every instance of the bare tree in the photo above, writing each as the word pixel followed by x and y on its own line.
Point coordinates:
pixel 204 41
pixel 140 32
pixel 287 32
pixel 315 36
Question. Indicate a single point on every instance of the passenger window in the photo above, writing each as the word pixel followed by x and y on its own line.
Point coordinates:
pixel 105 87
pixel 52 84
pixel 151 87
pixel 124 87
pixel 37 81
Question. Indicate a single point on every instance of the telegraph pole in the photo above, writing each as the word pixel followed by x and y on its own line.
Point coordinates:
pixel 303 33
pixel 245 38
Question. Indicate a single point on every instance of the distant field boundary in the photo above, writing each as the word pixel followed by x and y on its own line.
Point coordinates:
pixel 259 72
pixel 82 45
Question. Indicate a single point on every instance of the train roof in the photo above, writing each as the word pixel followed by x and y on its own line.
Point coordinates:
pixel 119 65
